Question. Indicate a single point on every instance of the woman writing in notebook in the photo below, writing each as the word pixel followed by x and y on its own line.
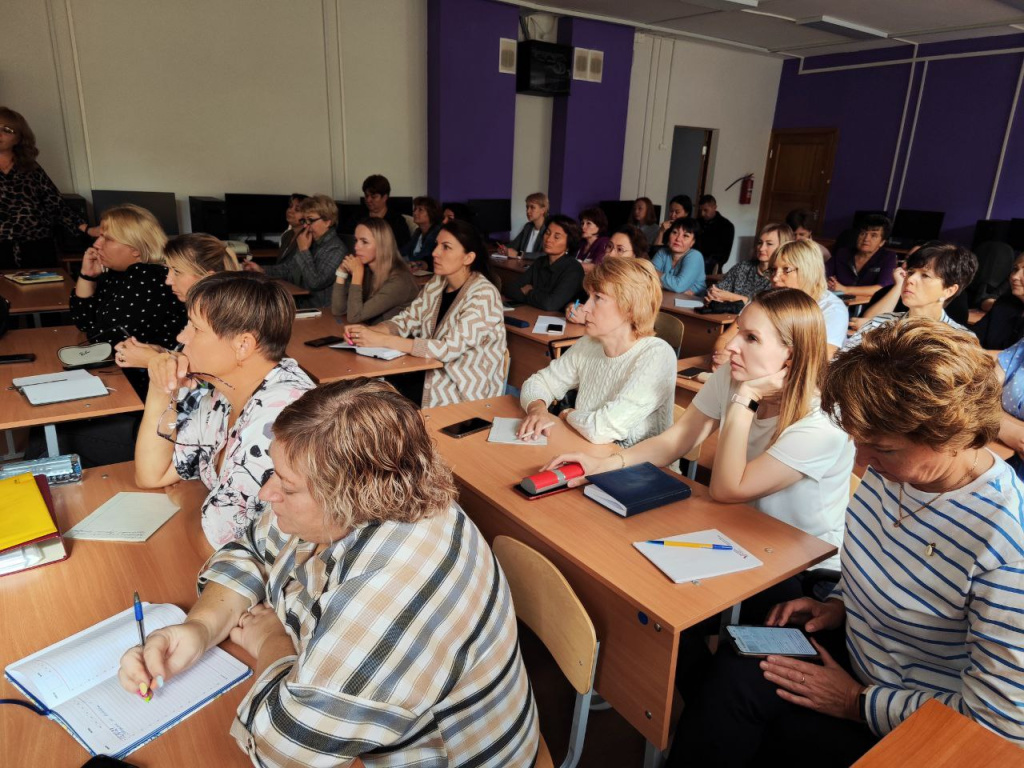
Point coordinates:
pixel 376 615
pixel 189 259
pixel 776 450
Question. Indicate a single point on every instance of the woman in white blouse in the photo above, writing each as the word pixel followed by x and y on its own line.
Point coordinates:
pixel 776 450
pixel 625 376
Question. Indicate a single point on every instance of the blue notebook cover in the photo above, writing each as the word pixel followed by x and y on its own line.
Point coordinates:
pixel 635 489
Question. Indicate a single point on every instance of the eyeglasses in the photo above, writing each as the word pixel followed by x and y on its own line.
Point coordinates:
pixel 612 249
pixel 787 271
pixel 7 129
pixel 172 410
pixel 307 222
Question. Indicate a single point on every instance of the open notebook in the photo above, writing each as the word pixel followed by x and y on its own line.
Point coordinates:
pixel 75 681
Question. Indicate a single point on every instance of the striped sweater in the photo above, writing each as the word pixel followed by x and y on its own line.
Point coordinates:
pixel 469 340
pixel 406 650
pixel 935 608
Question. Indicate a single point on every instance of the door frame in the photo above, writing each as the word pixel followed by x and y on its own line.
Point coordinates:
pixel 769 171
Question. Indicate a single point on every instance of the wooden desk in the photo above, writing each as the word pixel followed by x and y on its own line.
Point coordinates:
pixel 509 270
pixel 34 299
pixel 701 330
pixel 43 606
pixel 529 350
pixel 687 388
pixel 294 290
pixel 937 737
pixel 325 365
pixel 637 611
pixel 15 410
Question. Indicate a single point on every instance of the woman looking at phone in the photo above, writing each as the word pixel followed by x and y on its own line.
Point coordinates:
pixel 929 595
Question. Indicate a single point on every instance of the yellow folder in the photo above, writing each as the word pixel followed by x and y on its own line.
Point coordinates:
pixel 23 513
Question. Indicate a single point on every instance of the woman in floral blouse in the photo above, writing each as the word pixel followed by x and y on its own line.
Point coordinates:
pixel 210 408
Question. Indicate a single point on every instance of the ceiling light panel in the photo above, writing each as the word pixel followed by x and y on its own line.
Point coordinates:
pixel 841 27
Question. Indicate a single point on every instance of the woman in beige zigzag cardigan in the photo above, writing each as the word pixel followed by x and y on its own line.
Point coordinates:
pixel 457 319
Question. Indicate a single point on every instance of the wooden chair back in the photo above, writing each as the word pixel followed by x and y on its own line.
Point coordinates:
pixel 670 328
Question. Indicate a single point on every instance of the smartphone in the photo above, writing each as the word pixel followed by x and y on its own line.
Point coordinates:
pixel 304 313
pixel 105 761
pixel 692 373
pixel 759 642
pixel 534 496
pixel 323 341
pixel 556 328
pixel 467 427
pixel 26 357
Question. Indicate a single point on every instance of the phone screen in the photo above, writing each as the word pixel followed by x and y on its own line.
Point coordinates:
pixel 467 427
pixel 771 641
pixel 324 341
pixel 556 328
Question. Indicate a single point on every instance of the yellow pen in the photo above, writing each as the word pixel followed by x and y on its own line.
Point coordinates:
pixel 690 544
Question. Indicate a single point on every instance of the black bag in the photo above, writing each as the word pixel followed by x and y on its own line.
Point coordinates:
pixel 722 308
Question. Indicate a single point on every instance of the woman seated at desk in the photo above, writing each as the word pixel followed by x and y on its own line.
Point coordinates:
pixel 457 319
pixel 928 602
pixel 378 619
pixel 530 240
pixel 1003 325
pixel 218 431
pixel 388 288
pixel 318 253
pixel 626 377
pixel 556 278
pixel 776 450
pixel 645 218
pixel 427 216
pixel 680 265
pixel 628 243
pixel 593 238
pixel 933 276
pixel 750 277
pixel 189 259
pixel 121 291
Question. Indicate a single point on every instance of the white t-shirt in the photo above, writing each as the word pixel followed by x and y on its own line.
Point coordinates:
pixel 837 319
pixel 531 241
pixel 813 446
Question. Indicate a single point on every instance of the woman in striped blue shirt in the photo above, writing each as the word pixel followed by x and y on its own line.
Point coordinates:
pixel 931 597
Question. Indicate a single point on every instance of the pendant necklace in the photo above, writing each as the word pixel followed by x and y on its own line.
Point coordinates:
pixel 966 478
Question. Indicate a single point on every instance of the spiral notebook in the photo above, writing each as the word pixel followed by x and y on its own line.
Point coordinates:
pixel 75 683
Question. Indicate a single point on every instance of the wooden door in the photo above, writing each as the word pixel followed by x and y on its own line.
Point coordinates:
pixel 798 174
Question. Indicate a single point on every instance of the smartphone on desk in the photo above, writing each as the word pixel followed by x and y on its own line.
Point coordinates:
pixel 758 642
pixel 556 328
pixel 692 373
pixel 324 341
pixel 467 427
pixel 25 357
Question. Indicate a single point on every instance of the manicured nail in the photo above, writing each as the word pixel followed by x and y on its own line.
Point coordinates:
pixel 143 689
pixel 159 681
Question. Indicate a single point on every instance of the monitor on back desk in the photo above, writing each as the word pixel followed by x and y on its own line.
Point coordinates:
pixel 912 227
pixel 160 204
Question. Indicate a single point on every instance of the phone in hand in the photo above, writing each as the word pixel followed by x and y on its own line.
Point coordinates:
pixel 324 341
pixel 759 642
pixel 467 427
pixel 25 357
pixel 692 373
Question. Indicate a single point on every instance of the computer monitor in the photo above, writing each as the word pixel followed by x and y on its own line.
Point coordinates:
pixel 402 205
pixel 492 214
pixel 1015 237
pixel 349 214
pixel 917 226
pixel 256 215
pixel 160 204
pixel 991 230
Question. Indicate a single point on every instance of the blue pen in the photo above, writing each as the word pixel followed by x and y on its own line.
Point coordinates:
pixel 575 306
pixel 690 544
pixel 144 691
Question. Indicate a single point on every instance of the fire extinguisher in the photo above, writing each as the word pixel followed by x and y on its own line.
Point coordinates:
pixel 746 188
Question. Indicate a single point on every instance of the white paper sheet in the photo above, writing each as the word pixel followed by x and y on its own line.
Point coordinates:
pixel 545 321
pixel 689 303
pixel 685 564
pixel 383 353
pixel 126 517
pixel 504 430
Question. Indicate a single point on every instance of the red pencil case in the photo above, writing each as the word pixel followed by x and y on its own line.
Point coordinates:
pixel 552 479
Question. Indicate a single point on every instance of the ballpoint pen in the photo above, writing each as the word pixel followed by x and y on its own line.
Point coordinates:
pixel 690 544
pixel 144 690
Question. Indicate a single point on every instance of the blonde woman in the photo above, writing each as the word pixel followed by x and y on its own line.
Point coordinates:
pixel 121 290
pixel 798 264
pixel 624 374
pixel 776 450
pixel 750 277
pixel 373 284
pixel 189 259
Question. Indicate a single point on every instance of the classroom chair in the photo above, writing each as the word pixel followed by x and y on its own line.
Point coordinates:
pixel 694 454
pixel 670 328
pixel 546 603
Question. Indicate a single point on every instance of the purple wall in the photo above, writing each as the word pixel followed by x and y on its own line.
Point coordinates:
pixel 588 127
pixel 950 165
pixel 471 106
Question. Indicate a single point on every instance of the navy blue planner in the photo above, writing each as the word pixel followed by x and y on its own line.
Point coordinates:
pixel 632 490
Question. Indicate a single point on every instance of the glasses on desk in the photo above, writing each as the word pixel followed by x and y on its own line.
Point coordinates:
pixel 616 250
pixel 170 416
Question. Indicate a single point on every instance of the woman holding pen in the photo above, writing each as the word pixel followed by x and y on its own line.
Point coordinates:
pixel 776 450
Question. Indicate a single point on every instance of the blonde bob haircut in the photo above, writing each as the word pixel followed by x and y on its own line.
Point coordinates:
pixel 137 228
pixel 797 319
pixel 200 255
pixel 805 256
pixel 365 453
pixel 387 258
pixel 918 378
pixel 539 198
pixel 634 285
pixel 322 205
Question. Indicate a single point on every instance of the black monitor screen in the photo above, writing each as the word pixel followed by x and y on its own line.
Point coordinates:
pixel 1015 237
pixel 492 214
pixel 917 225
pixel 349 214
pixel 160 204
pixel 402 205
pixel 256 214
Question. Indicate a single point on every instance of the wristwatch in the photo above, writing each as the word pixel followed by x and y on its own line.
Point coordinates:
pixel 747 402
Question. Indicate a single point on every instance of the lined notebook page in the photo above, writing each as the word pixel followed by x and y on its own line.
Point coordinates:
pixel 72 666
pixel 125 517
